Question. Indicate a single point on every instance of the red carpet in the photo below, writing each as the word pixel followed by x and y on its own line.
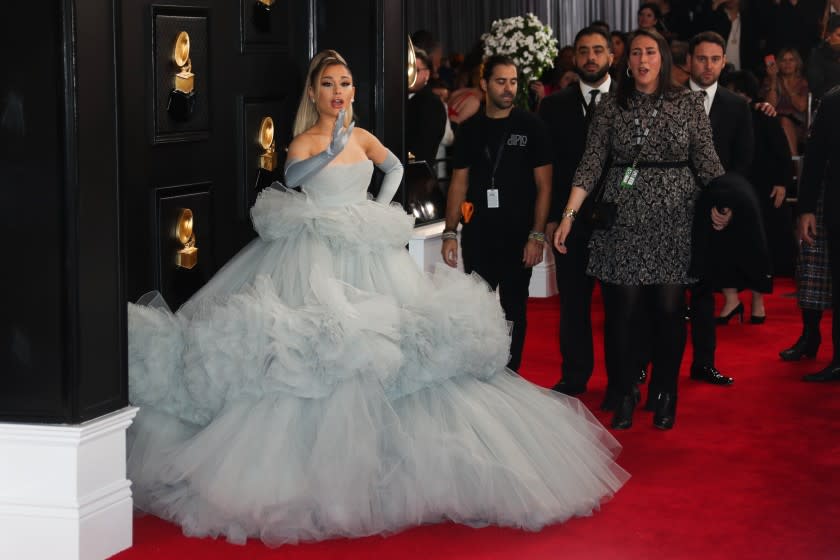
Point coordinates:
pixel 747 473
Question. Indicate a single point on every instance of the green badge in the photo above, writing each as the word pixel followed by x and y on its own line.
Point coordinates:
pixel 629 179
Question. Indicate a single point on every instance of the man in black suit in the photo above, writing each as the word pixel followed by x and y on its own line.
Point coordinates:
pixel 567 114
pixel 732 133
pixel 425 115
pixel 822 170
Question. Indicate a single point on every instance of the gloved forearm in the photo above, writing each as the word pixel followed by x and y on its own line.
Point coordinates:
pixel 298 171
pixel 393 170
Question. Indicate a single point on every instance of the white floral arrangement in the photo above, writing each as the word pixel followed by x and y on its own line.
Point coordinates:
pixel 530 44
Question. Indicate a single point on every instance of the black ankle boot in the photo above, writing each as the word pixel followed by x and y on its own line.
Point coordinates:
pixel 805 347
pixel 809 342
pixel 666 411
pixel 623 418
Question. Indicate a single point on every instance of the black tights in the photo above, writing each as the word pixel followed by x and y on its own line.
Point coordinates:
pixel 628 311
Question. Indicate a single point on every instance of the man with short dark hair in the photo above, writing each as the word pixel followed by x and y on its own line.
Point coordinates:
pixel 502 171
pixel 732 133
pixel 568 114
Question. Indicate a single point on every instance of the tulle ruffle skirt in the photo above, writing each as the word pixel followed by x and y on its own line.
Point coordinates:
pixel 320 386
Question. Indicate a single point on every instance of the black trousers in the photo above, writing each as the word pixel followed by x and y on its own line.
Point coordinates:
pixel 626 310
pixel 499 263
pixel 575 291
pixel 703 337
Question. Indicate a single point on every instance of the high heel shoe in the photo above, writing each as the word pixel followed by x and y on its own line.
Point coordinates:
pixel 738 310
pixel 805 347
pixel 757 319
pixel 666 411
pixel 623 418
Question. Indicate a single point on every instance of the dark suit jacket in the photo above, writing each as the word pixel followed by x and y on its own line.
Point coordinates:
pixel 425 123
pixel 822 160
pixel 563 113
pixel 732 130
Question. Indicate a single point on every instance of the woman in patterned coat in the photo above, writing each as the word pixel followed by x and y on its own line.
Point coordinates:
pixel 657 137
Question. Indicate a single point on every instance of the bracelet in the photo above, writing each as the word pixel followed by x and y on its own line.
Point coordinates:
pixel 536 236
pixel 569 213
pixel 450 234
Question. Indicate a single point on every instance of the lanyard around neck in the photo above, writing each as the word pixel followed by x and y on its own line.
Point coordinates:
pixel 642 135
pixel 495 163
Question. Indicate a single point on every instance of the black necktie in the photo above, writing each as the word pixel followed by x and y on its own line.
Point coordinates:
pixel 590 107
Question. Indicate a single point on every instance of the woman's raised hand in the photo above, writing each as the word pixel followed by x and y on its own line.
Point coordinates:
pixel 340 135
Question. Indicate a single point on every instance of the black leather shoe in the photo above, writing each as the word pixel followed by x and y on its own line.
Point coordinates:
pixel 569 388
pixel 830 373
pixel 710 375
pixel 665 412
pixel 805 347
pixel 623 418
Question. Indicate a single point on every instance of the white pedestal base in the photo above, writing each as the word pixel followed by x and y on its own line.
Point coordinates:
pixel 424 247
pixel 63 489
pixel 543 279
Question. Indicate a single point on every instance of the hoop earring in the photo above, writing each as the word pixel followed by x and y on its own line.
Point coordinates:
pixel 629 74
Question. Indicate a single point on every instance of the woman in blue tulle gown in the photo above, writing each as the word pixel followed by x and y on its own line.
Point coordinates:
pixel 321 386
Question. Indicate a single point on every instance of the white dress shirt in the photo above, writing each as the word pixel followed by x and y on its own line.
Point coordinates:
pixel 585 89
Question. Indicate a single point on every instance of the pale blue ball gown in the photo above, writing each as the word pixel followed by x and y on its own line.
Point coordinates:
pixel 321 386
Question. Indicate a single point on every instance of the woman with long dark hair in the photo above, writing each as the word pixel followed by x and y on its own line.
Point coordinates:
pixel 657 136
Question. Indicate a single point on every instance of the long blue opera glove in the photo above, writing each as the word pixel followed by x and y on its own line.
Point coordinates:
pixel 297 171
pixel 393 170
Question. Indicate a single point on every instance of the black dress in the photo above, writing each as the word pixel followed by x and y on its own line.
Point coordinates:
pixel 650 242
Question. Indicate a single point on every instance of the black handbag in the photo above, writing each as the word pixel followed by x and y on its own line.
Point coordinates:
pixel 603 212
pixel 603 215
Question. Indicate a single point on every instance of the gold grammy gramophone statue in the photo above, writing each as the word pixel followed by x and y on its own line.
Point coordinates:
pixel 182 97
pixel 187 256
pixel 411 63
pixel 268 159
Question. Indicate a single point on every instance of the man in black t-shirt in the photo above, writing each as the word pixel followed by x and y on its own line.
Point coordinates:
pixel 502 170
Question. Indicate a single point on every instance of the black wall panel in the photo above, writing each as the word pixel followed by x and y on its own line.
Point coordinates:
pixel 236 61
pixel 31 218
pixel 167 22
pixel 62 328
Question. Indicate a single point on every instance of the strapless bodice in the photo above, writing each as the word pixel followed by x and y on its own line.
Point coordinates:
pixel 339 184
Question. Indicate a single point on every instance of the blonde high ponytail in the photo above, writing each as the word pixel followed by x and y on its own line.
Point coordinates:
pixel 307 113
